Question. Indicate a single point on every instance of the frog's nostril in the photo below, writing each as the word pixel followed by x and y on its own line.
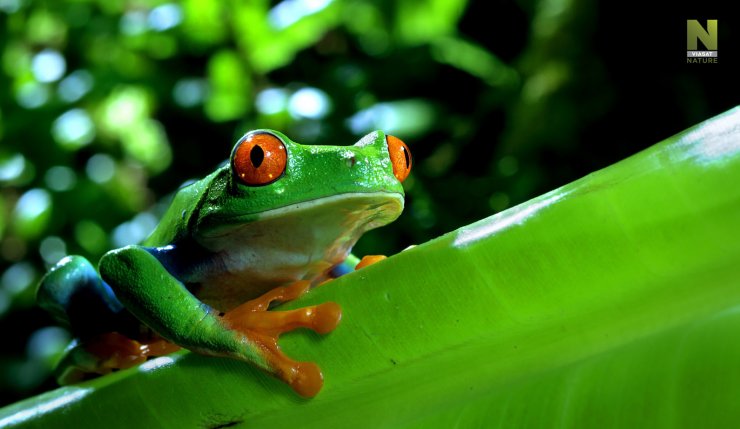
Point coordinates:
pixel 351 161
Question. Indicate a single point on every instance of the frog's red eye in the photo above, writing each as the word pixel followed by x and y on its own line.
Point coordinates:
pixel 400 157
pixel 260 159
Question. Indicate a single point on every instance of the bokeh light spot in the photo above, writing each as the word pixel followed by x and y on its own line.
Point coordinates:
pixel 46 343
pixel 288 12
pixel 508 166
pixel 190 92
pixel 52 249
pixel 60 178
pixel 74 129
pixel 164 17
pixel 32 95
pixel 404 117
pixel 271 100
pixel 91 236
pixel 75 86
pixel 135 230
pixel 10 6
pixel 100 168
pixel 17 278
pixel 48 66
pixel 309 103
pixel 33 203
pixel 12 167
pixel 133 23
pixel 125 107
pixel 499 201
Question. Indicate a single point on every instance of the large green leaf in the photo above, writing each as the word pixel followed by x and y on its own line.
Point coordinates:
pixel 612 301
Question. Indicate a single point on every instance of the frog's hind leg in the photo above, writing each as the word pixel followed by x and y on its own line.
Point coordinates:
pixel 265 327
pixel 79 299
pixel 106 353
pixel 76 296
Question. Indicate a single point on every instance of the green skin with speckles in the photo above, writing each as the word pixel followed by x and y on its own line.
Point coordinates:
pixel 222 242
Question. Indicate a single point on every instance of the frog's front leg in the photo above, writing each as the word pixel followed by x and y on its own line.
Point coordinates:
pixel 263 328
pixel 248 332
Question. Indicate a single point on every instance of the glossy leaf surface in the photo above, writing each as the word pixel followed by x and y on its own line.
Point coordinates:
pixel 612 301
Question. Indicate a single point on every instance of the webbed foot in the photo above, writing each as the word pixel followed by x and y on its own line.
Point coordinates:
pixel 106 353
pixel 264 328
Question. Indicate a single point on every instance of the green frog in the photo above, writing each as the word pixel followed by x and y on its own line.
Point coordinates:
pixel 264 228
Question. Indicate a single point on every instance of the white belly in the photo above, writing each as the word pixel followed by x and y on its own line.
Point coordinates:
pixel 299 242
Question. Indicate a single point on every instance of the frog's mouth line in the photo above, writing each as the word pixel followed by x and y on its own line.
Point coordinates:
pixel 379 208
pixel 381 198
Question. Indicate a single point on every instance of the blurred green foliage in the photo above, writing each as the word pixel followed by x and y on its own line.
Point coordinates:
pixel 107 106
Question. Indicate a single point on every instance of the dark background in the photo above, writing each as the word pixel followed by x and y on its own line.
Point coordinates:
pixel 500 101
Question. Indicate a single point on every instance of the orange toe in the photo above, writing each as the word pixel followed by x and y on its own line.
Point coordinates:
pixel 263 328
pixel 308 381
pixel 369 260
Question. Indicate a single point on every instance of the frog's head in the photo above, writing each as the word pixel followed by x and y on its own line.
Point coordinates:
pixel 271 179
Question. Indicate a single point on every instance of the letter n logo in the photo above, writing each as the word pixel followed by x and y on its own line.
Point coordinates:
pixel 695 31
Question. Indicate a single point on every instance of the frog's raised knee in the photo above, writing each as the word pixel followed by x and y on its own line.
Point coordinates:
pixel 75 295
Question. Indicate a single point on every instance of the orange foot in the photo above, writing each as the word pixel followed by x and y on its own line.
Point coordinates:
pixel 264 328
pixel 116 351
pixel 369 260
pixel 106 353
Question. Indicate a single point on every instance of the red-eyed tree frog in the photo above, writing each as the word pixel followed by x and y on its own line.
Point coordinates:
pixel 264 228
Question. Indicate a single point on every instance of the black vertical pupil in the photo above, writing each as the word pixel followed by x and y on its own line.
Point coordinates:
pixel 257 155
pixel 406 155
